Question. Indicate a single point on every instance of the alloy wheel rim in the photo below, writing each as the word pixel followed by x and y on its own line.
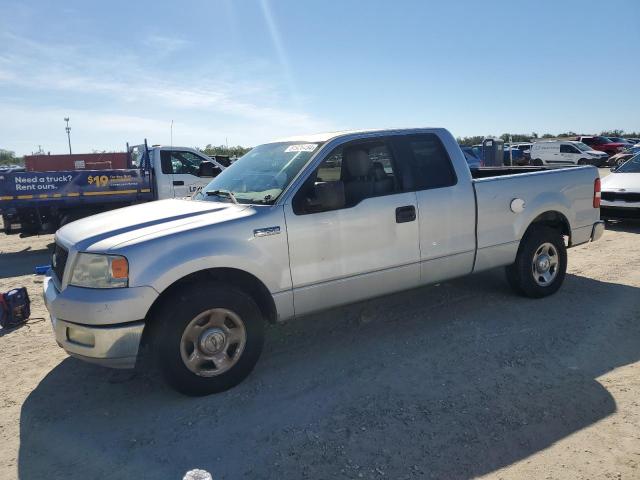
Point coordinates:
pixel 213 342
pixel 545 264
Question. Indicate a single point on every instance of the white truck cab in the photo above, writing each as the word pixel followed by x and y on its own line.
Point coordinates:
pixel 178 172
pixel 565 152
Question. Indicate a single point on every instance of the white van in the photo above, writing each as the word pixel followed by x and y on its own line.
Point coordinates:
pixel 566 152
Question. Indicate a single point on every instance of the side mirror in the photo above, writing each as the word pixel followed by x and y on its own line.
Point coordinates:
pixel 328 196
pixel 208 169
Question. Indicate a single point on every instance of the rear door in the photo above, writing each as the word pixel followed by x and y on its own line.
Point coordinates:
pixel 446 207
pixel 185 170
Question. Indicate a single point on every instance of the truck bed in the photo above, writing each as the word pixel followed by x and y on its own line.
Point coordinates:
pixel 567 192
pixel 485 172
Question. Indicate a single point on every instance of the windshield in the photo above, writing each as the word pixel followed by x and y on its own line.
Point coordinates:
pixel 601 140
pixel 631 166
pixel 583 147
pixel 260 176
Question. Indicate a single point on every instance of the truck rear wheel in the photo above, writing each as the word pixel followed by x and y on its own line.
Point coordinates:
pixel 209 338
pixel 541 263
pixel 6 223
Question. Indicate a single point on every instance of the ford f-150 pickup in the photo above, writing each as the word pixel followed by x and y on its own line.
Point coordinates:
pixel 297 226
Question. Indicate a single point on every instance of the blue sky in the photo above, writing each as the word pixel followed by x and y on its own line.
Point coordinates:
pixel 253 70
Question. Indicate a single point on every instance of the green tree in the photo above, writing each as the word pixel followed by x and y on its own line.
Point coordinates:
pixel 236 151
pixel 7 157
pixel 469 141
pixel 516 137
pixel 613 133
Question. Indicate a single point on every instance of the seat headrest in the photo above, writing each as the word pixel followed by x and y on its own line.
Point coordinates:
pixel 378 171
pixel 358 162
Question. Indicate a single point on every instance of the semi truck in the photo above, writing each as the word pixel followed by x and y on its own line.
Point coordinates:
pixel 41 202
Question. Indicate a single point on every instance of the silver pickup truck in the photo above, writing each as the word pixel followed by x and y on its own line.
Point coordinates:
pixel 297 226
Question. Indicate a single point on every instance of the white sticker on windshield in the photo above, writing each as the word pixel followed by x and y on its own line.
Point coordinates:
pixel 303 147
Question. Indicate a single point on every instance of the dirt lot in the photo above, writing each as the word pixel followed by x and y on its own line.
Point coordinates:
pixel 459 380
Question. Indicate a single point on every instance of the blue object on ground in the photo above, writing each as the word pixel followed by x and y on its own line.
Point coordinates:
pixel 42 269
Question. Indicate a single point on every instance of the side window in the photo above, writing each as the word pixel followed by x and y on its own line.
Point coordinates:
pixel 165 162
pixel 180 162
pixel 349 175
pixel 566 149
pixel 430 163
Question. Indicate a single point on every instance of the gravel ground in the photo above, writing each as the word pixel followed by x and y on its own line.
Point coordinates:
pixel 454 381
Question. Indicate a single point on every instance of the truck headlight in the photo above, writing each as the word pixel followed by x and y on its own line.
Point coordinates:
pixel 94 270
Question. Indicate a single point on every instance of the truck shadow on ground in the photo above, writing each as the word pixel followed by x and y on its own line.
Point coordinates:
pixel 450 381
pixel 15 264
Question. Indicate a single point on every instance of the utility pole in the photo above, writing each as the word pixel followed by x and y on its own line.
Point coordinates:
pixel 68 130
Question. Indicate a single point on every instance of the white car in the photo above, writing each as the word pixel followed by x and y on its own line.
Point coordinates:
pixel 621 191
pixel 566 152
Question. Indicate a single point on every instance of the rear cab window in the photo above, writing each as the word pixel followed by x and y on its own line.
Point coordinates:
pixel 428 161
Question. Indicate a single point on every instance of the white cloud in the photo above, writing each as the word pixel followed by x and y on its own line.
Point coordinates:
pixel 111 98
pixel 164 44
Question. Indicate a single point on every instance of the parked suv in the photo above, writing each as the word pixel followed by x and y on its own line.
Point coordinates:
pixel 603 144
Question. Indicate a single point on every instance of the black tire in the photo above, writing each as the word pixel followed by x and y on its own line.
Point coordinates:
pixel 520 274
pixel 583 161
pixel 538 163
pixel 6 223
pixel 173 319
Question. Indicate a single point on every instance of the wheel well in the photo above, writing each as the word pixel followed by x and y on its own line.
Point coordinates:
pixel 229 276
pixel 554 220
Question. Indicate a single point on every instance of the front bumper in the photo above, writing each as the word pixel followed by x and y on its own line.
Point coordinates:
pixel 99 326
pixel 115 346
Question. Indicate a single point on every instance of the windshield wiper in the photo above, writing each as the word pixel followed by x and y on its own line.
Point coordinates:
pixel 222 193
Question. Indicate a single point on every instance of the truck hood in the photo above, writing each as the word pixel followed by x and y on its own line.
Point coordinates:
pixel 615 181
pixel 105 231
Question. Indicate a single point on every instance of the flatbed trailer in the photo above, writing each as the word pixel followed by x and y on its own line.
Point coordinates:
pixel 41 202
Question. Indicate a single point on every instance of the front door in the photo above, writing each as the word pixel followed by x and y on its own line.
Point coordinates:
pixel 364 241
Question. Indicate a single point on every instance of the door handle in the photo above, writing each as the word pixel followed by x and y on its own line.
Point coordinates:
pixel 178 182
pixel 405 214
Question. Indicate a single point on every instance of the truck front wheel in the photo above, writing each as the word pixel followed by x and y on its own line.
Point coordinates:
pixel 209 338
pixel 541 263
